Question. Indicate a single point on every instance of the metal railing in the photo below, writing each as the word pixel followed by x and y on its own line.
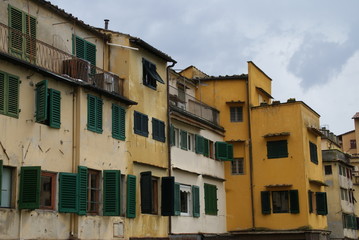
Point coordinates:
pixel 190 104
pixel 23 46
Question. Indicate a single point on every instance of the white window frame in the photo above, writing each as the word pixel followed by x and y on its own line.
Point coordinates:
pixel 236 162
pixel 177 138
pixel 188 190
pixel 7 174
pixel 191 142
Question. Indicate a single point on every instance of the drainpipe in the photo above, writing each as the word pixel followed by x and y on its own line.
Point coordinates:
pixel 169 136
pixel 250 154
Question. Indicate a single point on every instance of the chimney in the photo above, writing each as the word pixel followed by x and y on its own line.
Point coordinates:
pixel 106 23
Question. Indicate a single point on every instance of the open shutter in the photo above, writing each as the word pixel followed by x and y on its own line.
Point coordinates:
pixel 230 152
pixel 68 191
pixel 13 99
pixel 31 36
pixel 183 139
pixel 115 121
pixel 265 199
pixel 167 196
pixel 29 188
pixel 294 201
pixel 111 192
pixel 131 196
pixel 205 147
pixel 41 101
pixel 16 24
pixel 55 108
pixel 99 104
pixel 2 92
pixel 82 186
pixel 221 151
pixel 91 112
pixel 146 192
pixel 199 144
pixel 310 201
pixel 195 201
pixel 313 152
pixel 90 53
pixel 177 203
pixel 321 199
pixel 78 47
pixel 1 166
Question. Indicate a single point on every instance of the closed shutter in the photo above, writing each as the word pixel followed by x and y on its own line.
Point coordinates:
pixel 172 135
pixel 91 110
pixel 313 153
pixel 265 199
pixel 162 131
pixel 68 191
pixel 210 197
pixel 90 54
pixel 1 166
pixel 131 196
pixel 310 201
pixel 199 144
pixel 111 192
pixel 277 149
pixel 29 188
pixel 221 150
pixel 195 201
pixel 55 108
pixel 294 201
pixel 144 125
pixel 13 97
pixel 146 192
pixel 205 147
pixel 177 203
pixel 2 92
pixel 183 139
pixel 41 101
pixel 31 35
pixel 167 196
pixel 78 47
pixel 118 122
pixel 16 24
pixel 122 126
pixel 99 104
pixel 321 199
pixel 230 152
pixel 82 189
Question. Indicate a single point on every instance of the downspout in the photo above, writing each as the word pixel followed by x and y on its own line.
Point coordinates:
pixel 169 136
pixel 250 155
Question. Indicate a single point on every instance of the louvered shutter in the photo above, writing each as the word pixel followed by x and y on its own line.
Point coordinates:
pixel 155 129
pixel 230 152
pixel 29 188
pixel 68 193
pixel 13 96
pixel 30 36
pixel 294 201
pixel 313 153
pixel 310 201
pixel 146 192
pixel 91 112
pixel 221 150
pixel 131 196
pixel 2 92
pixel 265 200
pixel 55 108
pixel 111 192
pixel 144 125
pixel 1 166
pixel 195 201
pixel 177 198
pixel 167 196
pixel 90 53
pixel 205 147
pixel 321 199
pixel 118 122
pixel 199 144
pixel 183 139
pixel 210 196
pixel 172 135
pixel 99 104
pixel 41 101
pixel 78 47
pixel 16 24
pixel 162 131
pixel 82 189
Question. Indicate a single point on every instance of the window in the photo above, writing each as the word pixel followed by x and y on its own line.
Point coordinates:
pixel 118 122
pixel 9 94
pixel 224 151
pixel 211 149
pixel 48 105
pixel 93 191
pixel 277 149
pixel 22 39
pixel 185 200
pixel 282 201
pixel 353 144
pixel 238 166
pixel 349 221
pixel 149 193
pixel 6 177
pixel 313 153
pixel 210 199
pixel 328 169
pixel 123 195
pixel 344 194
pixel 236 114
pixel 141 124
pixel 94 113
pixel 191 142
pixel 47 190
pixel 158 130
pixel 183 138
pixel 84 50
pixel 150 75
pixel 181 92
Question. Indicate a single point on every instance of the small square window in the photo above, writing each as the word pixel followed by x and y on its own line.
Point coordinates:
pixel 328 169
pixel 353 144
pixel 237 166
pixel 277 149
pixel 236 114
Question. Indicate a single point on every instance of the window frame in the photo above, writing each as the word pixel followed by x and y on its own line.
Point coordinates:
pixel 328 170
pixel 236 114
pixel 149 193
pixel 353 143
pixel 53 177
pixel 150 76
pixel 89 50
pixel 11 186
pixel 188 190
pixel 313 152
pixel 93 199
pixel 237 166
pixel 283 204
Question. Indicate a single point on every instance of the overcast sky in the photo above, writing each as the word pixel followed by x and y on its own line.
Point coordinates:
pixel 310 48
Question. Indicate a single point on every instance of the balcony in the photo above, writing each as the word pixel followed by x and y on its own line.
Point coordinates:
pixel 186 103
pixel 335 155
pixel 22 46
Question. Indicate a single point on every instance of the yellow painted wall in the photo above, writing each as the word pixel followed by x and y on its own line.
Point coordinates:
pixel 258 79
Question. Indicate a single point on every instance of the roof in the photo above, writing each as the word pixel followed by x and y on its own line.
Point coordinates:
pixel 356 116
pixel 227 77
pixel 346 133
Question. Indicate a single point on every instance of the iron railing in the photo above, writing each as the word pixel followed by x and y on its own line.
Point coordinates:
pixel 188 103
pixel 41 54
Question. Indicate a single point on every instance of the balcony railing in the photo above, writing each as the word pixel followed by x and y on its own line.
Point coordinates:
pixel 41 54
pixel 188 103
pixel 335 155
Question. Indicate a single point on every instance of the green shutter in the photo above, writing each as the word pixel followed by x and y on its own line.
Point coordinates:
pixel 118 122
pixel 294 201
pixel 13 97
pixel 78 47
pixel 144 124
pixel 277 149
pixel 199 144
pixel 82 189
pixel 195 201
pixel 99 104
pixel 31 36
pixel 167 196
pixel 146 192
pixel 55 108
pixel 155 129
pixel 94 113
pixel 221 151
pixel 177 202
pixel 16 24
pixel 210 198
pixel 321 199
pixel 183 139
pixel 1 166
pixel 205 147
pixel 310 201
pixel 41 101
pixel 131 196
pixel 230 152
pixel 172 135
pixel 111 192
pixel 29 188
pixel 265 199
pixel 68 193
pixel 90 52
pixel 2 92
pixel 313 152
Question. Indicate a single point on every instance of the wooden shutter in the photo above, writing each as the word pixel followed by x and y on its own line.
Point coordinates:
pixel 111 192
pixel 230 152
pixel 162 132
pixel 1 167
pixel 310 201
pixel 313 152
pixel 155 129
pixel 144 125
pixel 118 122
pixel 99 104
pixel 55 108
pixel 210 197
pixel 294 201
pixel 29 188
pixel 82 189
pixel 205 147
pixel 321 199
pixel 172 135
pixel 30 35
pixel 146 192
pixel 68 191
pixel 91 112
pixel 277 149
pixel 16 24
pixel 177 200
pixel 13 96
pixel 41 101
pixel 131 196
pixel 183 139
pixel 2 92
pixel 78 47
pixel 167 196
pixel 199 144
pixel 195 201
pixel 90 52
pixel 221 151
pixel 265 199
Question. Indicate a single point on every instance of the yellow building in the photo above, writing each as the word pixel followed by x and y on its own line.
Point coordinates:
pixel 274 185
